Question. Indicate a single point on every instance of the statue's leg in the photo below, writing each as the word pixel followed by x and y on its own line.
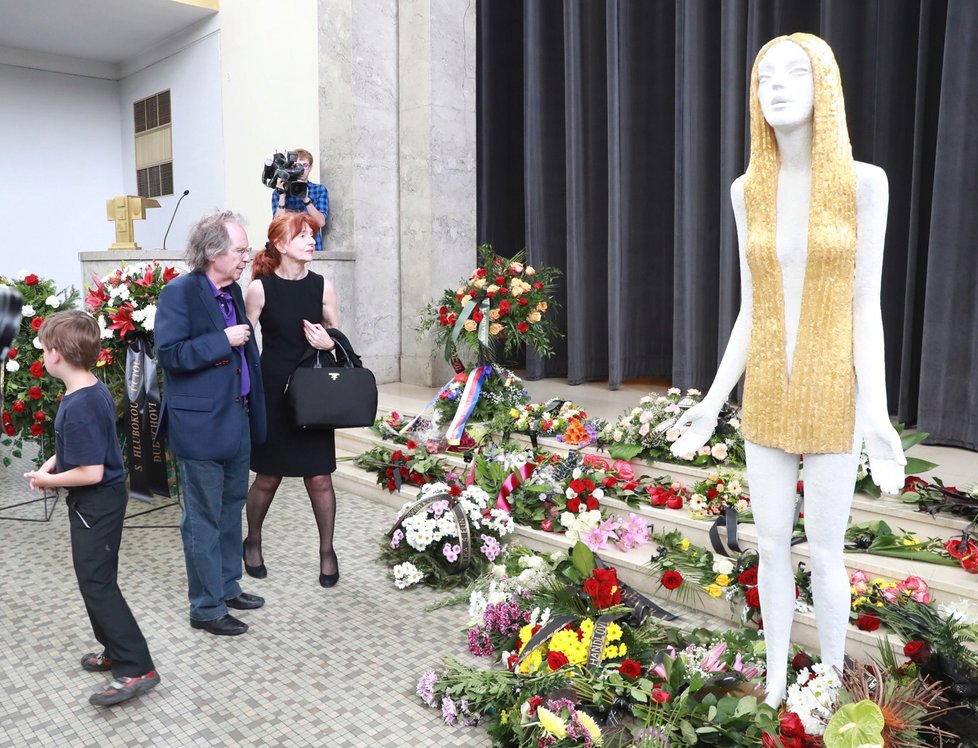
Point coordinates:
pixel 829 481
pixel 773 478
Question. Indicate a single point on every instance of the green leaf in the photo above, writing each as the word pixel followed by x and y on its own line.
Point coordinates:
pixel 624 451
pixel 856 725
pixel 583 559
pixel 916 465
pixel 912 440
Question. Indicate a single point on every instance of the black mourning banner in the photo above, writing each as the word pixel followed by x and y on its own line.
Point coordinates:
pixel 146 458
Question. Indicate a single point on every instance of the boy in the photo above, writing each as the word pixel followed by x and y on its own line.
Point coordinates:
pixel 88 462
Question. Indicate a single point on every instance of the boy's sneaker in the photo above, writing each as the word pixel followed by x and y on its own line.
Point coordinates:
pixel 123 689
pixel 96 662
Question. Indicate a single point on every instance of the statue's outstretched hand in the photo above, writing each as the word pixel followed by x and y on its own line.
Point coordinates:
pixel 702 421
pixel 886 458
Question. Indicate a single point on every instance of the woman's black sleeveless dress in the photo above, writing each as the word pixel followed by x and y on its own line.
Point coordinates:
pixel 288 450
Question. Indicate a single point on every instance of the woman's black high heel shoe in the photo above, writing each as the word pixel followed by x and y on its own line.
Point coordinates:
pixel 329 580
pixel 258 572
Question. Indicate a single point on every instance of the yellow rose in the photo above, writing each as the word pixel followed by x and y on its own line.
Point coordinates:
pixel 465 300
pixel 492 288
pixel 479 282
pixel 493 314
pixel 684 544
pixel 470 325
pixel 723 580
pixel 516 267
pixel 495 328
pixel 533 317
pixel 530 271
pixel 542 306
pixel 714 590
pixel 515 290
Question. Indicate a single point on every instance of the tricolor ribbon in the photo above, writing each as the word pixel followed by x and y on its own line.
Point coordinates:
pixel 467 402
pixel 513 482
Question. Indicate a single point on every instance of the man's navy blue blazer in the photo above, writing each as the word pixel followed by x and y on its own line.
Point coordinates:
pixel 202 373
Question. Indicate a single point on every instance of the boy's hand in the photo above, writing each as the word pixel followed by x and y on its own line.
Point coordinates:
pixel 40 479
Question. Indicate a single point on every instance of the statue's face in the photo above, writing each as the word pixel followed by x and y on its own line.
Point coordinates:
pixel 785 87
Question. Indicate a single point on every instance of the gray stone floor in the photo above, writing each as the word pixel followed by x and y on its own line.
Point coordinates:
pixel 319 667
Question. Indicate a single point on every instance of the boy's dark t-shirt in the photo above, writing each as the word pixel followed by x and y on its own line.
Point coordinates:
pixel 86 435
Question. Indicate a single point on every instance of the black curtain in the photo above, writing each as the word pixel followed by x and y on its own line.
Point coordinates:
pixel 609 133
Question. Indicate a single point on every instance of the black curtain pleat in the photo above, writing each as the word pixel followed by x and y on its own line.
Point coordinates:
pixel 625 123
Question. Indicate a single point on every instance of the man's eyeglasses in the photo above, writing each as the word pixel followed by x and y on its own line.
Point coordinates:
pixel 242 252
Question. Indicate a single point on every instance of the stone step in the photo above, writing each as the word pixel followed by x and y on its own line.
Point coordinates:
pixel 632 565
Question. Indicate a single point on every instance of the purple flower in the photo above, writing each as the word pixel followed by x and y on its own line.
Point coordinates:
pixel 426 687
pixel 479 643
pixel 490 547
pixel 449 712
pixel 396 538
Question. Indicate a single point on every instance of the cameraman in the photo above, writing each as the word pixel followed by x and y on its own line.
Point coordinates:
pixel 315 202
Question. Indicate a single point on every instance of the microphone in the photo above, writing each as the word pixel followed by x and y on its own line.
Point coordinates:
pixel 185 193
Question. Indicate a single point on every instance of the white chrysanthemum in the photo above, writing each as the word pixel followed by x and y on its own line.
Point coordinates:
pixel 120 293
pixel 26 311
pixel 103 330
pixel 12 366
pixel 406 574
pixel 147 316
pixel 477 495
pixel 530 562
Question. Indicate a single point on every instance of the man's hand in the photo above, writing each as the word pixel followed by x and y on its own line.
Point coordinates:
pixel 237 335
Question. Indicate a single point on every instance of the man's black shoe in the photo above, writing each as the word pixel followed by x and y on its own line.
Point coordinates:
pixel 227 625
pixel 244 601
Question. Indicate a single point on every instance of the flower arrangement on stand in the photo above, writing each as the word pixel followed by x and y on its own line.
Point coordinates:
pixel 649 429
pixel 124 304
pixel 446 538
pixel 30 394
pixel 502 391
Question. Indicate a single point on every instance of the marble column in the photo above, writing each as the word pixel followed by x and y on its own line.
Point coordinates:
pixel 397 151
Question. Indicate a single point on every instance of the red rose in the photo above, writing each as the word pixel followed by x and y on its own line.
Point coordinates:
pixel 39 416
pixel 801 661
pixel 32 280
pixel 37 429
pixel 574 505
pixel 556 660
pixel 769 741
pixel 609 482
pixel 481 272
pixel 867 622
pixel 658 495
pixel 674 501
pixel 602 587
pixel 522 327
pixel 6 417
pixel 592 503
pixel 37 370
pixel 9 429
pixel 547 525
pixel 12 354
pixel 712 493
pixel 630 668
pixel 748 577
pixel 477 316
pixel 18 406
pixel 36 323
pixel 672 579
pixel 523 301
pixel 500 280
pixel 659 696
pixel 753 598
pixel 34 393
pixel 504 308
pixel 917 651
pixel 538 285
pixel 912 482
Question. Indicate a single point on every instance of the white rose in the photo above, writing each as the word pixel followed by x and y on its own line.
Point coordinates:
pixel 12 366
pixel 723 566
pixel 672 435
pixel 719 451
pixel 27 311
pixel 577 473
pixel 53 301
pixel 36 342
pixel 598 493
pixel 567 519
pixel 693 392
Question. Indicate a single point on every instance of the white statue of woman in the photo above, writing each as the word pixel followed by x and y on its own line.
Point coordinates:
pixel 810 223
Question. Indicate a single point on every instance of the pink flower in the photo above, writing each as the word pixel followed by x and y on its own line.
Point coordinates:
pixel 633 533
pixel 451 552
pixel 916 588
pixel 596 462
pixel 712 662
pixel 624 470
pixel 859 582
pixel 597 537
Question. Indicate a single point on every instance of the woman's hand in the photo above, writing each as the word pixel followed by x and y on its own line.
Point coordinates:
pixel 702 420
pixel 886 458
pixel 317 336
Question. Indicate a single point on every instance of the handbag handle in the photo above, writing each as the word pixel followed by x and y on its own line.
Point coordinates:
pixel 347 361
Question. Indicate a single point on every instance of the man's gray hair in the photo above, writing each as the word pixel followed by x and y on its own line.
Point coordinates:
pixel 209 238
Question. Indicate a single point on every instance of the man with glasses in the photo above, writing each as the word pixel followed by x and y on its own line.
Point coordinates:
pixel 213 409
pixel 315 202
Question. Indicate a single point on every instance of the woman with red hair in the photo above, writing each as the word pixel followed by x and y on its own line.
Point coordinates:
pixel 294 307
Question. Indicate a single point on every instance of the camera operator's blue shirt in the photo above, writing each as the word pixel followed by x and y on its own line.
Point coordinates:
pixel 320 198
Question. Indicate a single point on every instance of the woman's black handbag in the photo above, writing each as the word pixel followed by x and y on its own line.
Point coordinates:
pixel 334 396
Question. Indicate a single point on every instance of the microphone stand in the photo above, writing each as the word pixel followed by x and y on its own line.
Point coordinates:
pixel 185 193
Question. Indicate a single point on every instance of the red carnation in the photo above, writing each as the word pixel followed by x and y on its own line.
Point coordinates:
pixel 411 444
pixel 34 393
pixel 481 272
pixel 592 503
pixel 630 668
pixel 500 280
pixel 477 316
pixel 37 429
pixel 574 505
pixel 535 702
pixel 867 622
pixel 753 598
pixel 37 370
pixel 18 406
pixel 672 579
pixel 556 660
pixel 36 323
pixel 917 651
pixel 504 307
pixel 522 327
pixel 32 280
pixel 12 354
pixel 538 285
pixel 748 577
pixel 791 726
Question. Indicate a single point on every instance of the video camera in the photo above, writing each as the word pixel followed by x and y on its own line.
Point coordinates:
pixel 10 304
pixel 284 167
